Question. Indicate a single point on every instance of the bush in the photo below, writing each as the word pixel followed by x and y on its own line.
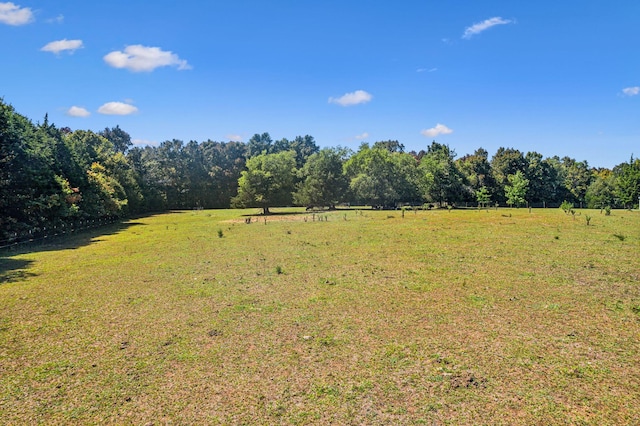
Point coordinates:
pixel 566 206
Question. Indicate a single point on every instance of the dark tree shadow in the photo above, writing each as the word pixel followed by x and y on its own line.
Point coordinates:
pixel 12 270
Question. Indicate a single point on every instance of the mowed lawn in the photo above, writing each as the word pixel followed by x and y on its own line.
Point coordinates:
pixel 349 317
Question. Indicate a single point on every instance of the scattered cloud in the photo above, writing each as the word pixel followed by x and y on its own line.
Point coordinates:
pixel 427 69
pixel 57 20
pixel 62 45
pixel 76 111
pixel 631 91
pixel 117 108
pixel 439 129
pixel 12 14
pixel 353 98
pixel 362 136
pixel 234 138
pixel 484 25
pixel 138 58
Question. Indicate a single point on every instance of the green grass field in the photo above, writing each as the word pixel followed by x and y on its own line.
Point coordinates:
pixel 349 317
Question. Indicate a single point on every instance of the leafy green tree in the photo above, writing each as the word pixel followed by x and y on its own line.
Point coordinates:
pixel 378 177
pixel 303 146
pixel 516 190
pixel 167 166
pixel 545 183
pixel 267 182
pixel 505 162
pixel 483 197
pixel 259 144
pixel 441 180
pixel 390 145
pixel 322 181
pixel 224 162
pixel 627 184
pixel 105 196
pixel 577 178
pixel 407 177
pixel 477 171
pixel 120 139
pixel 601 191
pixel 121 171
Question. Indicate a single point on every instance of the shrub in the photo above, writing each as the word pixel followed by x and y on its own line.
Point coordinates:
pixel 220 233
pixel 566 206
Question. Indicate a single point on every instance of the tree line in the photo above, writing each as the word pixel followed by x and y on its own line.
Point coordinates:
pixel 52 176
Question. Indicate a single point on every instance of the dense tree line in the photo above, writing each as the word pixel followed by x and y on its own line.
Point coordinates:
pixel 53 176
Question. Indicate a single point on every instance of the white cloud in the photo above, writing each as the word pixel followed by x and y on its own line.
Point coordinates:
pixel 234 138
pixel 62 45
pixel 13 14
pixel 57 20
pixel 631 91
pixel 439 129
pixel 362 136
pixel 484 25
pixel 117 108
pixel 140 58
pixel 353 98
pixel 144 142
pixel 76 111
pixel 427 70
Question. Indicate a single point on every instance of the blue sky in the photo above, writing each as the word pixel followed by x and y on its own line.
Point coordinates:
pixel 556 77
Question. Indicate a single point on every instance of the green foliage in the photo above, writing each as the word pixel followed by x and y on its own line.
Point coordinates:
pixel 483 197
pixel 322 181
pixel 505 162
pixel 267 182
pixel 441 181
pixel 120 139
pixel 517 189
pixel 379 177
pixel 477 172
pixel 601 191
pixel 577 178
pixel 566 206
pixel 627 183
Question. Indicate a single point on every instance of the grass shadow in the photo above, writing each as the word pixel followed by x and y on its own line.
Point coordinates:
pixel 12 269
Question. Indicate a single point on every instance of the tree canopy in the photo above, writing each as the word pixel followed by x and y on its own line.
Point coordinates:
pixel 267 182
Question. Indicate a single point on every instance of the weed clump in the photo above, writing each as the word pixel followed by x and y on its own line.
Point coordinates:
pixel 220 233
